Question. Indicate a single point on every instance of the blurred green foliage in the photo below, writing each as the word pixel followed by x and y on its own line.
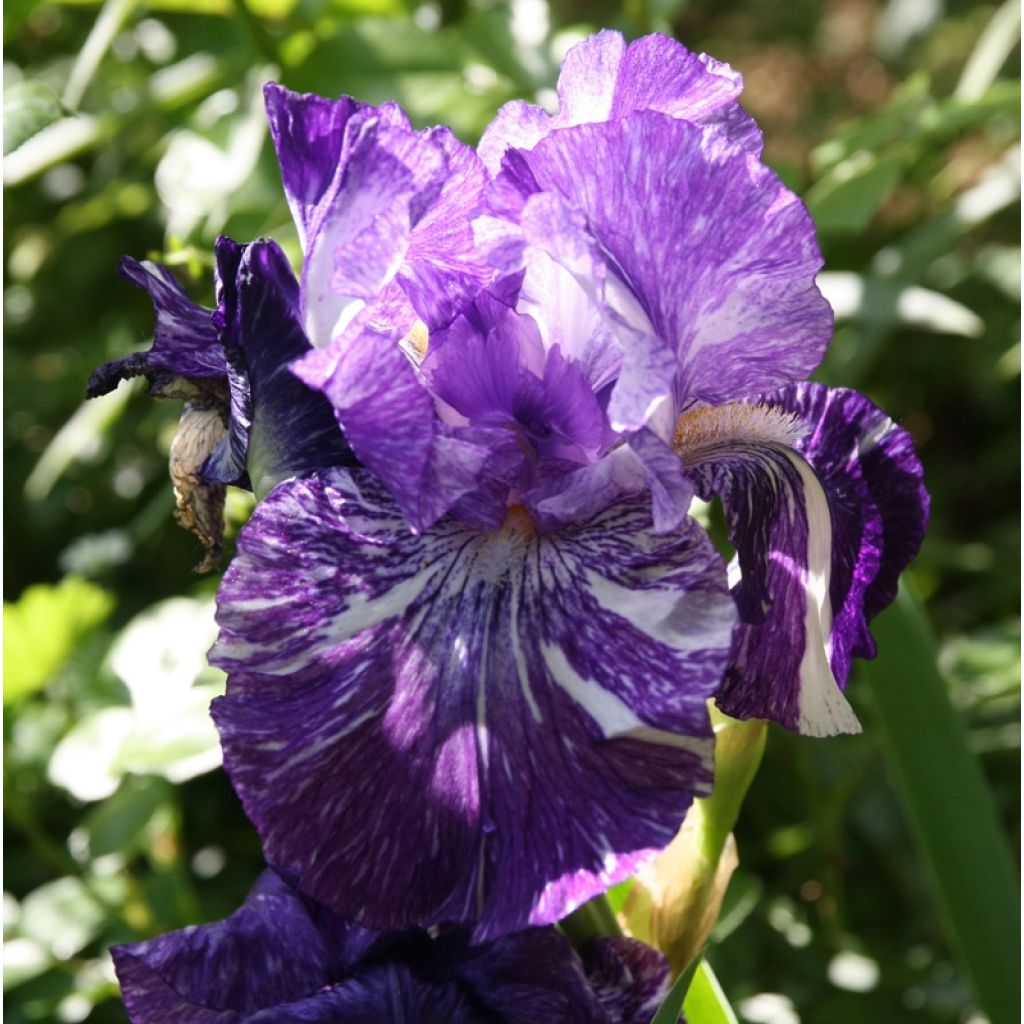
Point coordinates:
pixel 137 128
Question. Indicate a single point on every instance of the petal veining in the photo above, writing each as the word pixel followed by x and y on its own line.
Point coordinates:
pixel 542 697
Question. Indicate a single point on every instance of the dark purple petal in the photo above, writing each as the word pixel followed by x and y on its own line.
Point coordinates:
pixel 270 951
pixel 279 427
pixel 186 359
pixel 384 993
pixel 533 977
pixel 778 518
pixel 825 505
pixel 630 980
pixel 687 244
pixel 604 79
pixel 491 726
pixel 875 486
pixel 283 959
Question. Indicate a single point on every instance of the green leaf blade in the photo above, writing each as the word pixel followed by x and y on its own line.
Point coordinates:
pixel 950 808
pixel 29 107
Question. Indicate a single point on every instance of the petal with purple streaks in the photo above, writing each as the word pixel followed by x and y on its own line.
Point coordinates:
pixel 390 178
pixel 604 79
pixel 186 359
pixel 825 505
pixel 313 138
pixel 526 686
pixel 631 980
pixel 692 243
pixel 879 505
pixel 442 269
pixel 269 951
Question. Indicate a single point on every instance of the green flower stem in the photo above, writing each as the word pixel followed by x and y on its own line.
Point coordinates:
pixel 739 747
pixel 676 900
pixel 591 921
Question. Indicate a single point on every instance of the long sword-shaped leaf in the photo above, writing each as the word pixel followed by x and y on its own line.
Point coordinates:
pixel 950 808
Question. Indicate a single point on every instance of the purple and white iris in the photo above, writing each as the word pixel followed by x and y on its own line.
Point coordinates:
pixel 283 959
pixel 467 676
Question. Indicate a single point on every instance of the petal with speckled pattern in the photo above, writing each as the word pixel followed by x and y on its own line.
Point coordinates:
pixel 825 503
pixel 464 725
pixel 603 79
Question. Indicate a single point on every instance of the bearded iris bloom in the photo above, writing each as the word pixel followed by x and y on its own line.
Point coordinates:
pixel 282 958
pixel 467 677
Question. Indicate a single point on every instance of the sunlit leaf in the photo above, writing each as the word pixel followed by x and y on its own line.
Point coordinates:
pixel 54 143
pixel 29 106
pixel 42 628
pixel 847 198
pixel 161 658
pixel 852 295
pixel 63 916
pixel 85 761
pixel 24 959
pixel 705 1001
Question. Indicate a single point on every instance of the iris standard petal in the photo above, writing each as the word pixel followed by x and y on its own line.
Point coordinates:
pixel 700 246
pixel 825 506
pixel 313 137
pixel 443 270
pixel 362 235
pixel 490 726
pixel 279 427
pixel 603 79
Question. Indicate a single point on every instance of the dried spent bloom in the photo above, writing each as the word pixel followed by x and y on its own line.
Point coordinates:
pixel 469 647
pixel 281 958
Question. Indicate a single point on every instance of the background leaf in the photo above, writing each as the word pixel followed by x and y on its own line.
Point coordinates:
pixel 705 1001
pixel 950 807
pixel 42 628
pixel 29 106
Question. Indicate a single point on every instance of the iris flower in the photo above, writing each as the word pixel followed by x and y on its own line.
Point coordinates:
pixel 281 958
pixel 469 648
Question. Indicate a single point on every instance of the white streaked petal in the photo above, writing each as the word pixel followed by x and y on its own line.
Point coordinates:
pixel 440 725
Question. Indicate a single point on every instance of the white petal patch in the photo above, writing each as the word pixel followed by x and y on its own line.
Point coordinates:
pixel 824 710
pixel 661 620
pixel 613 716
